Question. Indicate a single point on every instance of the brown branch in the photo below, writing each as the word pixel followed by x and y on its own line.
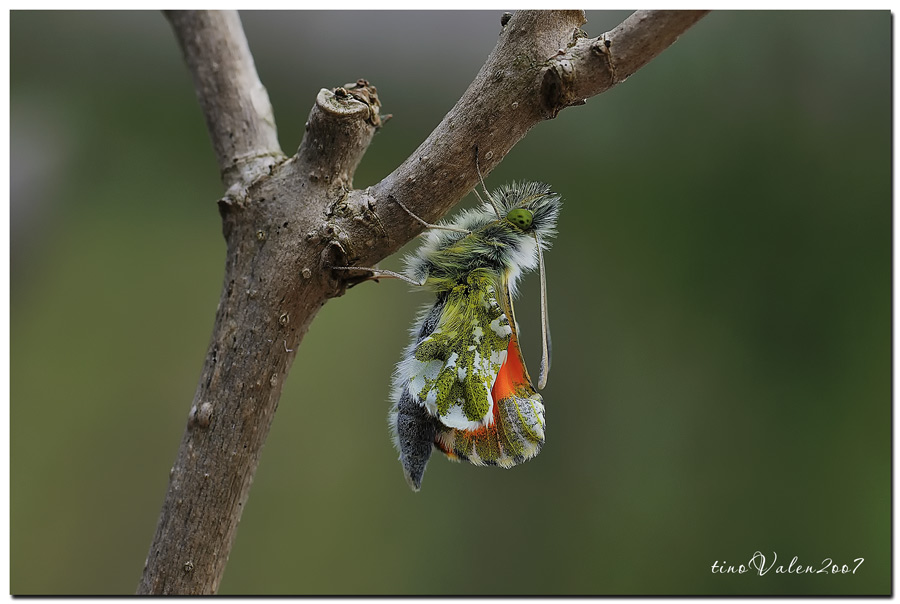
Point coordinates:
pixel 542 63
pixel 595 65
pixel 287 223
pixel 234 102
pixel 271 293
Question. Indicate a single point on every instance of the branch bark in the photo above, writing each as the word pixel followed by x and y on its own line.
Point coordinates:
pixel 286 222
pixel 234 102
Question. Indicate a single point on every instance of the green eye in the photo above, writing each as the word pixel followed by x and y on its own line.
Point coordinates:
pixel 520 217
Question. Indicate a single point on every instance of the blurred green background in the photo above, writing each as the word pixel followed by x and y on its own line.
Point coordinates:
pixel 720 296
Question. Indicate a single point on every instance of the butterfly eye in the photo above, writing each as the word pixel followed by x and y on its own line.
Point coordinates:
pixel 520 217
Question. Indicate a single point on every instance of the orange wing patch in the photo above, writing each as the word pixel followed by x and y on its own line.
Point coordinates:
pixel 517 432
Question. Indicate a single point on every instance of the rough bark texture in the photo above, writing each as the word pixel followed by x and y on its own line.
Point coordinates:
pixel 287 221
pixel 234 102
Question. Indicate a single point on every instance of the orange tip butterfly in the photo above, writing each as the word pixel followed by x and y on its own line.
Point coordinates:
pixel 462 385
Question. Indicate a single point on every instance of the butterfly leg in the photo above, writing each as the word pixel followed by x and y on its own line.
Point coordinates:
pixel 427 225
pixel 378 273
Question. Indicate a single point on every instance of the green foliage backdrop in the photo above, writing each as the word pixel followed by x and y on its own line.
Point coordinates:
pixel 720 298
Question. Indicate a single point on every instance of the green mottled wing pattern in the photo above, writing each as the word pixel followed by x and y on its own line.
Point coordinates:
pixel 517 431
pixel 456 365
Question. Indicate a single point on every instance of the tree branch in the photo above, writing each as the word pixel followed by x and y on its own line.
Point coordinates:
pixel 595 65
pixel 542 63
pixel 269 297
pixel 286 223
pixel 234 102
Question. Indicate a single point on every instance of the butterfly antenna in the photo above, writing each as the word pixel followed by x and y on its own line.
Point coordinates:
pixel 545 322
pixel 483 186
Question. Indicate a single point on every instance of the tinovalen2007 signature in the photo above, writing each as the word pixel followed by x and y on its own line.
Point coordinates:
pixel 758 564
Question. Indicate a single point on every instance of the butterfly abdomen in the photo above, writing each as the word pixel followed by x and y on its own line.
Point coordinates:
pixel 414 432
pixel 412 428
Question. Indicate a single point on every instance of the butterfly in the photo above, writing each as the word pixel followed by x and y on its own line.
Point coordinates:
pixel 462 386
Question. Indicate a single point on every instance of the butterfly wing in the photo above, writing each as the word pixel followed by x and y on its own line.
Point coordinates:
pixel 453 368
pixel 463 386
pixel 516 432
pixel 446 376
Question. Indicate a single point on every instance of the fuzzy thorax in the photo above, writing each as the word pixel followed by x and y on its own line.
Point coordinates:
pixel 497 244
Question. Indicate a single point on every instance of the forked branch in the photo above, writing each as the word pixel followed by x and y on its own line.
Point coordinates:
pixel 288 221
